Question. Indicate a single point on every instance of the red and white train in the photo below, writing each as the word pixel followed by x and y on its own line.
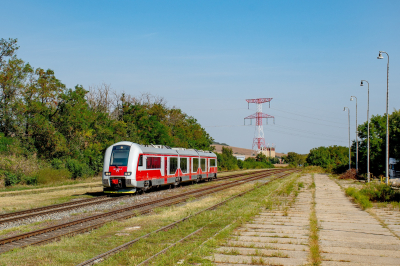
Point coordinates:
pixel 130 167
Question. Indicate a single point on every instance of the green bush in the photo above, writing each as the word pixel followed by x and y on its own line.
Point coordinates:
pixel 240 164
pixel 11 179
pixel 29 180
pixel 57 163
pixel 380 192
pixel 251 163
pixel 359 198
pixel 51 176
pixel 78 169
pixel 5 143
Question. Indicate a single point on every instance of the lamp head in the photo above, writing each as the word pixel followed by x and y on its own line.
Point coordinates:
pixel 380 55
pixel 351 98
pixel 344 108
pixel 362 84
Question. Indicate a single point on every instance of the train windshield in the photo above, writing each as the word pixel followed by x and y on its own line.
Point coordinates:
pixel 119 155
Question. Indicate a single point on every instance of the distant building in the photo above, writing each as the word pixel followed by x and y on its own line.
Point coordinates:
pixel 240 157
pixel 268 151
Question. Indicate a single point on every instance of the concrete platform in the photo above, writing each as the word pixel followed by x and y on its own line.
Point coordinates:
pixel 348 236
pixel 273 237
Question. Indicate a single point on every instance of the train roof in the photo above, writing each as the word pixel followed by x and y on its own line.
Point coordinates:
pixel 162 149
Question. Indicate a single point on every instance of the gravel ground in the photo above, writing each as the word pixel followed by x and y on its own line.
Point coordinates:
pixel 38 222
pixel 46 220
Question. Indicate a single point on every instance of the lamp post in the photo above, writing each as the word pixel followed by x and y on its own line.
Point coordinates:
pixel 368 131
pixel 351 98
pixel 348 115
pixel 387 116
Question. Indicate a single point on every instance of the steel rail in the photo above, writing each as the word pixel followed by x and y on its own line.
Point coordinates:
pixel 141 208
pixel 106 254
pixel 14 216
pixel 25 214
pixel 135 206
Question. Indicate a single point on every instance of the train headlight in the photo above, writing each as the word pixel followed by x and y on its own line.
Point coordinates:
pixel 107 173
pixel 128 173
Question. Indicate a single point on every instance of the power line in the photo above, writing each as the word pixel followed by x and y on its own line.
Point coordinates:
pixel 307 131
pixel 333 138
pixel 230 109
pixel 309 116
pixel 294 134
pixel 319 124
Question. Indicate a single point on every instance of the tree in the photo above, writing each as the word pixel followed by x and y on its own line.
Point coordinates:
pixel 72 127
pixel 378 142
pixel 13 74
pixel 226 160
pixel 332 158
pixel 295 159
pixel 7 48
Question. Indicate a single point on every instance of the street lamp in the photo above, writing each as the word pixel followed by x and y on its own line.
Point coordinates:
pixel 348 114
pixel 387 116
pixel 362 84
pixel 351 99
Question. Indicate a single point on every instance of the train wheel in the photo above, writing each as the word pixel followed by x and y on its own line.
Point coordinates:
pixel 198 179
pixel 147 185
pixel 177 182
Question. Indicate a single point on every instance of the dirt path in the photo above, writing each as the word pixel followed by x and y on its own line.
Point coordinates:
pixel 278 237
pixel 349 235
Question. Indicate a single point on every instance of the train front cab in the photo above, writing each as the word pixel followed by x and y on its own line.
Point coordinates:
pixel 118 173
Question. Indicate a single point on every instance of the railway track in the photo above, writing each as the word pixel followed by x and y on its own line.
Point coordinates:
pixel 89 223
pixel 122 247
pixel 57 208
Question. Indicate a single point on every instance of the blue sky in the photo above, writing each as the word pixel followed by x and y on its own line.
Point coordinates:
pixel 207 57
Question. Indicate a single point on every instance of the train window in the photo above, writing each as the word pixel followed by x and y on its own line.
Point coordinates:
pixel 203 164
pixel 119 155
pixel 140 160
pixel 212 163
pixel 195 165
pixel 184 165
pixel 173 165
pixel 153 163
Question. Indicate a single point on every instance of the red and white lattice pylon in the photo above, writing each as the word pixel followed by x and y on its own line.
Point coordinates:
pixel 258 140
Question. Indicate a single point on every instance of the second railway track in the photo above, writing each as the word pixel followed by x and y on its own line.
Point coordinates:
pixel 83 225
pixel 63 207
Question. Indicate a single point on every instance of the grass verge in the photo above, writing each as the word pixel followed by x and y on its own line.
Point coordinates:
pixel 71 251
pixel 361 199
pixel 313 239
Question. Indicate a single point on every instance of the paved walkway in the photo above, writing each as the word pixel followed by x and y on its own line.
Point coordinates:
pixel 348 235
pixel 391 217
pixel 273 238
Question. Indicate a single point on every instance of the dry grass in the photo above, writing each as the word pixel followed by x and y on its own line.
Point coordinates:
pixel 349 174
pixel 76 249
pixel 20 164
pixel 43 197
pixel 313 170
